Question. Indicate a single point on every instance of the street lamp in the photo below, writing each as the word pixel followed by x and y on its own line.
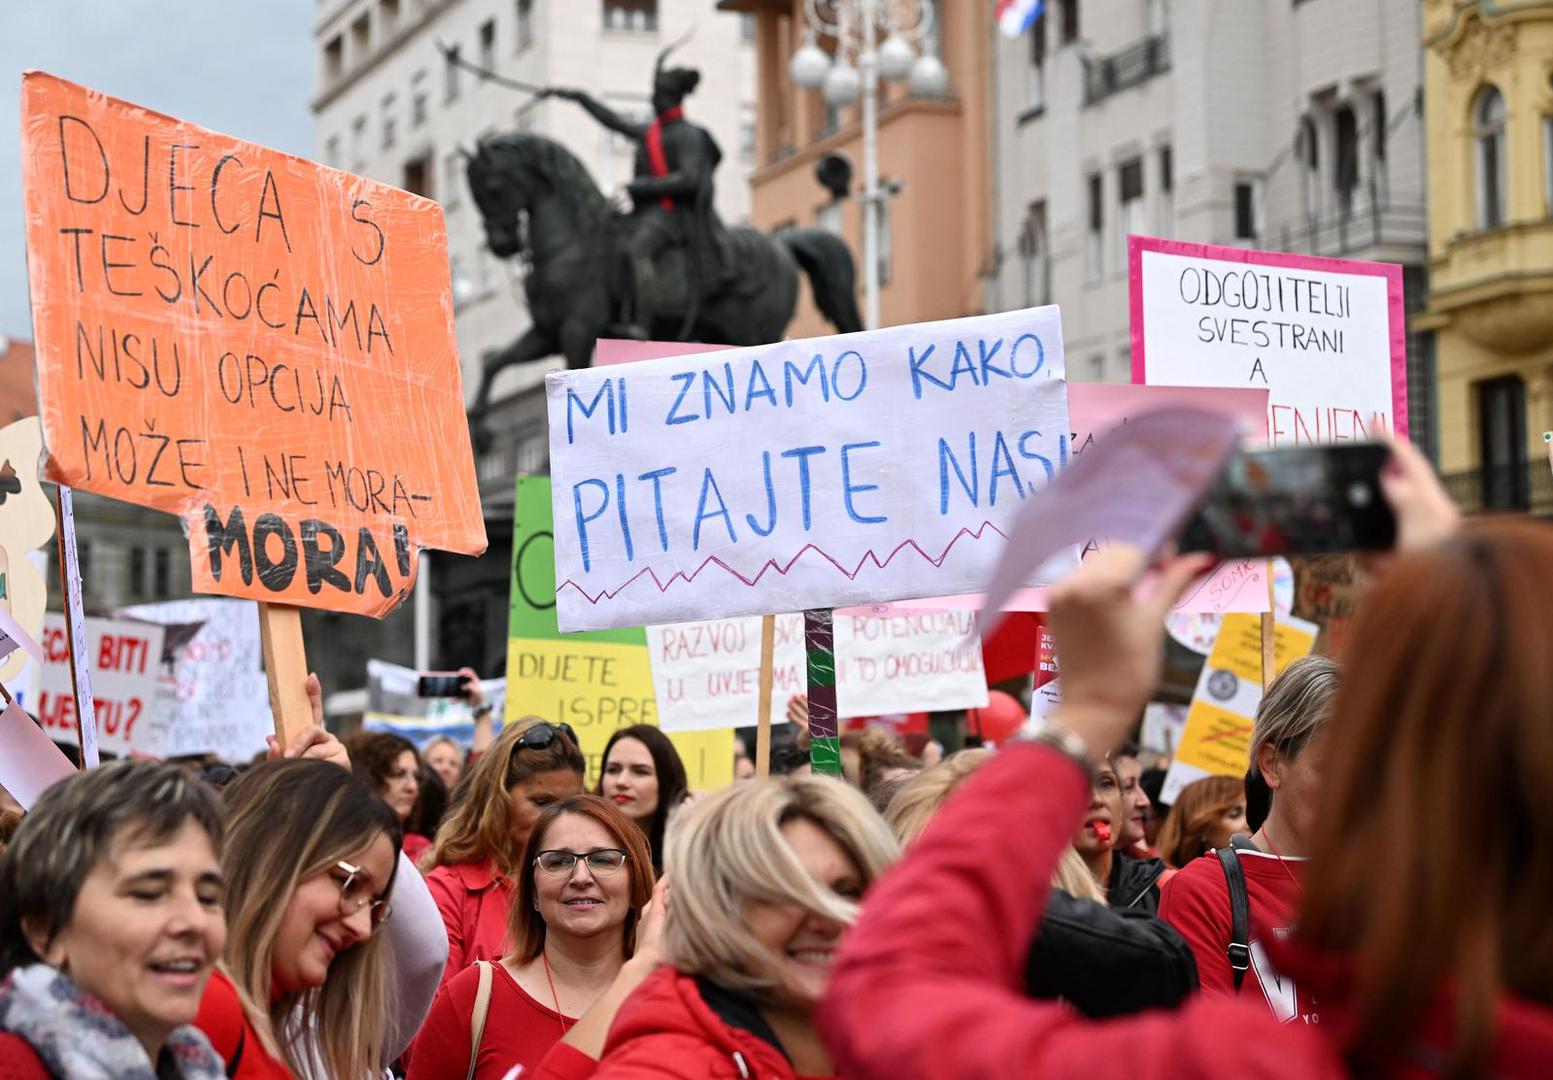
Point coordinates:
pixel 882 37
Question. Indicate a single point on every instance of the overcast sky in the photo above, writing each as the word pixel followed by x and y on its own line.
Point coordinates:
pixel 243 67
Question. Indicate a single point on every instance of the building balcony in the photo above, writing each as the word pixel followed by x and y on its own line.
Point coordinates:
pixel 1391 233
pixel 1497 489
pixel 1497 285
pixel 1133 66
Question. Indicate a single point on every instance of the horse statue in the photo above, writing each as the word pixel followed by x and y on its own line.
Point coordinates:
pixel 539 203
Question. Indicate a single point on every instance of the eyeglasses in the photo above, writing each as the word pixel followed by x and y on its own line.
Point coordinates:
pixel 600 863
pixel 356 893
pixel 544 733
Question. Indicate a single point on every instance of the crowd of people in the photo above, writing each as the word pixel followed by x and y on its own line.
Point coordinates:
pixel 1369 899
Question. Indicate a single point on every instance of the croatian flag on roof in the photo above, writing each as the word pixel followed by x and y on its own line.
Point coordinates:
pixel 1017 16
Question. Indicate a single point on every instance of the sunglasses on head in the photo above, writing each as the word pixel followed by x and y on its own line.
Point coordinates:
pixel 544 733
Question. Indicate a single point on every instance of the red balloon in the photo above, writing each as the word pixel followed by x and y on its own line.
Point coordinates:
pixel 999 721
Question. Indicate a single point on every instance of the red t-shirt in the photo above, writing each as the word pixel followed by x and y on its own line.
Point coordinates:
pixel 518 1030
pixel 224 1023
pixel 1196 902
pixel 473 899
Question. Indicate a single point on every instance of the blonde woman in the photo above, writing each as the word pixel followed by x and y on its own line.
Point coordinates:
pixel 479 849
pixel 316 988
pixel 763 877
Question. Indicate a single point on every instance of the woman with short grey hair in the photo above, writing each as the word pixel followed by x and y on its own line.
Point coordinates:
pixel 111 923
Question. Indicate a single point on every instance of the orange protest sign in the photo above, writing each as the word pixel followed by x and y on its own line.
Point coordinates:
pixel 258 344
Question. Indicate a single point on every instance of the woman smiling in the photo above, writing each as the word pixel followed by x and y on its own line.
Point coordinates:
pixel 110 927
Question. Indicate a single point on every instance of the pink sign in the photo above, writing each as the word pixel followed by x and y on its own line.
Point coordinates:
pixel 608 351
pixel 1325 337
pixel 29 761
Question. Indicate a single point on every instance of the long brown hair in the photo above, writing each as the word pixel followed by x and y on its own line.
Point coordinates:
pixel 1184 835
pixel 525 926
pixel 288 821
pixel 1429 865
pixel 480 824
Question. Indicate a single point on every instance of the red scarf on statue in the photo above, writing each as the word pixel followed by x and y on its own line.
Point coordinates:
pixel 656 160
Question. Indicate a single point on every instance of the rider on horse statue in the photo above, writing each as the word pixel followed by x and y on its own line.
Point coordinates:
pixel 672 195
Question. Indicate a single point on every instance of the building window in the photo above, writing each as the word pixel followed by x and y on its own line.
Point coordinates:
pixel 361 37
pixel 390 123
pixel 332 151
pixel 450 72
pixel 1096 372
pixel 1035 257
pixel 417 176
pixel 747 136
pixel 137 572
pixel 1095 252
pixel 1492 171
pixel 1502 434
pixel 1166 205
pixel 524 37
pixel 359 144
pixel 1310 160
pixel 488 45
pixel 1345 177
pixel 1129 187
pixel 1248 210
pixel 453 179
pixel 389 17
pixel 747 25
pixel 163 574
pixel 418 98
pixel 641 15
pixel 1379 182
pixel 1157 15
pixel 334 58
pixel 1068 9
pixel 1035 80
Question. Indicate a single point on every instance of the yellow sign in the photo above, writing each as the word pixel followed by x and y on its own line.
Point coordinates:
pixel 1216 740
pixel 596 682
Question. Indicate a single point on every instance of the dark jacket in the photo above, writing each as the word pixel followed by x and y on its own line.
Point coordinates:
pixel 1108 962
pixel 1135 883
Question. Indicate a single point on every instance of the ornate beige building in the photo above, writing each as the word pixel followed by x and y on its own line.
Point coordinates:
pixel 1488 71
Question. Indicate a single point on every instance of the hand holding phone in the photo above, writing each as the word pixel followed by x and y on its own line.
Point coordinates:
pixel 1301 500
pixel 442 684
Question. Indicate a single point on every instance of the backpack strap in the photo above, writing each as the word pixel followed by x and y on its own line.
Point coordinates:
pixel 1239 948
pixel 477 1017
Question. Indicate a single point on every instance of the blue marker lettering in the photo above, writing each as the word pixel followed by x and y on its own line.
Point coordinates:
pixel 962 363
pixel 1002 465
pixel 657 500
pixel 583 519
pixel 606 390
pixel 946 458
pixel 620 508
pixel 816 363
pixel 749 519
pixel 709 486
pixel 862 374
pixel 848 489
pixel 803 454
pixel 1013 356
pixel 1031 455
pixel 918 370
pixel 765 391
pixel 988 368
pixel 687 379
pixel 709 386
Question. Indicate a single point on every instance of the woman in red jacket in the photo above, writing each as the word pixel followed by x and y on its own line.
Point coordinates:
pixel 479 849
pixel 1423 931
pixel 763 877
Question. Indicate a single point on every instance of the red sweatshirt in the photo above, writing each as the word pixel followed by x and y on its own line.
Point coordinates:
pixel 473 899
pixel 1196 902
pixel 928 982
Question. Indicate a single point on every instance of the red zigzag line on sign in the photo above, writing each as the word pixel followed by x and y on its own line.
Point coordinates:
pixel 771 564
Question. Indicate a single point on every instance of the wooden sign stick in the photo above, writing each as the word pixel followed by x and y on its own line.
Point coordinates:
pixel 1269 633
pixel 75 631
pixel 285 663
pixel 763 724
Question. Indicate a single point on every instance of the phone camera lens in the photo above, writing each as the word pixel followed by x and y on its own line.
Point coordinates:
pixel 1358 494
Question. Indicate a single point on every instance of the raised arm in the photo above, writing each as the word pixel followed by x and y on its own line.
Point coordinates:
pixel 600 112
pixel 418 951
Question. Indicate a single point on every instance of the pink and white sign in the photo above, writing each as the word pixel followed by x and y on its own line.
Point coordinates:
pixel 1325 337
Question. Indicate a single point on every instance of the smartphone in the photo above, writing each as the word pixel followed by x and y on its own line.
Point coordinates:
pixel 442 684
pixel 1299 500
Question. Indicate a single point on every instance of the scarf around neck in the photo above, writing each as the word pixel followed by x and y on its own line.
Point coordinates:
pixel 78 1037
pixel 657 159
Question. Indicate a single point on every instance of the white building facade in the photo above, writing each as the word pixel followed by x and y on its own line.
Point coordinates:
pixel 1290 125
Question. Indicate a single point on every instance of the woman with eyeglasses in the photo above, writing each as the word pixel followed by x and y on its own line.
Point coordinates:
pixel 478 854
pixel 586 876
pixel 312 986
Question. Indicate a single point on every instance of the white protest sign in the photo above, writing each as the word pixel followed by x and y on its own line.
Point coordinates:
pixel 1326 337
pixel 124 658
pixel 394 705
pixel 833 471
pixel 707 674
pixel 215 700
